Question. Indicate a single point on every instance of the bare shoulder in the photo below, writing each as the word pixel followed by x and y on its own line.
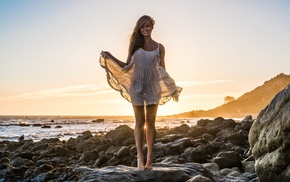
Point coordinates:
pixel 161 49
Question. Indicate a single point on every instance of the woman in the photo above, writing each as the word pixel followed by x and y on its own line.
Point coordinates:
pixel 143 81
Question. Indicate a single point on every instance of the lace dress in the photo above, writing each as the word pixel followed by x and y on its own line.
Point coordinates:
pixel 143 81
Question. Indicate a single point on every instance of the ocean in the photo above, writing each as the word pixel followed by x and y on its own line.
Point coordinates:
pixel 65 127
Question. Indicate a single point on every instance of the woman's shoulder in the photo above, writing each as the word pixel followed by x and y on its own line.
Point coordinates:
pixel 161 48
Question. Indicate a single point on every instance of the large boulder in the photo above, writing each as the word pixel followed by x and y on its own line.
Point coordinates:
pixel 162 172
pixel 120 134
pixel 269 139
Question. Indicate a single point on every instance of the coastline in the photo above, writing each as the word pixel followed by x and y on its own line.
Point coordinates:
pixel 65 127
pixel 213 148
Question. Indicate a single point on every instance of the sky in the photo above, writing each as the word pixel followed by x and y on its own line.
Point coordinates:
pixel 49 51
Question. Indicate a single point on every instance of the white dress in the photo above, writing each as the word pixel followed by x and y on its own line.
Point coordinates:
pixel 143 81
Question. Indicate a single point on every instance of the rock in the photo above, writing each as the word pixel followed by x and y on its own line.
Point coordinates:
pixel 23 124
pixel 199 178
pixel 179 145
pixel 226 171
pixel 196 131
pixel 207 136
pixel 160 172
pixel 269 139
pixel 99 120
pixel 101 161
pixel 21 138
pixel 183 129
pixel 169 138
pixel 228 159
pixel 250 168
pixel 112 150
pixel 20 161
pixel 85 135
pixel 15 173
pixel 89 155
pixel 235 174
pixel 44 168
pixel 247 118
pixel 223 134
pixel 170 159
pixel 175 152
pixel 196 154
pixel 49 176
pixel 45 126
pixel 203 122
pixel 35 125
pixel 120 134
pixel 50 140
pixel 124 151
pixel 212 167
pixel 228 123
pixel 24 155
pixel 4 160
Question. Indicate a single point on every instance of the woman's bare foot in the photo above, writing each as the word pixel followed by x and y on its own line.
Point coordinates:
pixel 148 166
pixel 140 164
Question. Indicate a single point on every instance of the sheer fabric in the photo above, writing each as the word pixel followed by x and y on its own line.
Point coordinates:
pixel 143 81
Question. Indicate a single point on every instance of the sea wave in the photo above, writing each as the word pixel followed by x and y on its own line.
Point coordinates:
pixel 39 127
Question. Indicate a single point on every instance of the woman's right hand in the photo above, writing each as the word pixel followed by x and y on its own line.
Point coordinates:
pixel 106 54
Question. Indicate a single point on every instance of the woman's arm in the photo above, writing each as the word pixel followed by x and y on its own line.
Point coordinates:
pixel 120 63
pixel 162 56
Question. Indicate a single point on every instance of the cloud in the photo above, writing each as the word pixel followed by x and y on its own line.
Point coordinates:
pixel 71 91
pixel 202 82
pixel 89 90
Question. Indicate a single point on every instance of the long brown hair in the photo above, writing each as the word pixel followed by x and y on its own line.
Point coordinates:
pixel 137 39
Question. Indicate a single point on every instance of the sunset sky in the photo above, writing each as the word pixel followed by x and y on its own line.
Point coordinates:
pixel 49 51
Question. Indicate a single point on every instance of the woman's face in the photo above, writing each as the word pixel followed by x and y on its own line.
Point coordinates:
pixel 146 28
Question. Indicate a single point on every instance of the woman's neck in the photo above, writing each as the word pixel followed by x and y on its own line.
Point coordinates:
pixel 148 40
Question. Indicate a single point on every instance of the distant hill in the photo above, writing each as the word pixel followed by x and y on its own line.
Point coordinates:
pixel 250 103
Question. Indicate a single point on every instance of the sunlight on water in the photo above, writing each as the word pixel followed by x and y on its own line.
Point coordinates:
pixel 40 127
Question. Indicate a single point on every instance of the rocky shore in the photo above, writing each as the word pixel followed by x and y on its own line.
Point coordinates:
pixel 213 150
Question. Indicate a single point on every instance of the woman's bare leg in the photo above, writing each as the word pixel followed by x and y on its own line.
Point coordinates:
pixel 139 133
pixel 151 111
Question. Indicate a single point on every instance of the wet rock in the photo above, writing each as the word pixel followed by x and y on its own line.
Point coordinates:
pixel 45 126
pixel 23 124
pixel 36 125
pixel 99 120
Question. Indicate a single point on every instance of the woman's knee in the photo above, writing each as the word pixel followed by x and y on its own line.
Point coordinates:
pixel 140 123
pixel 150 123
